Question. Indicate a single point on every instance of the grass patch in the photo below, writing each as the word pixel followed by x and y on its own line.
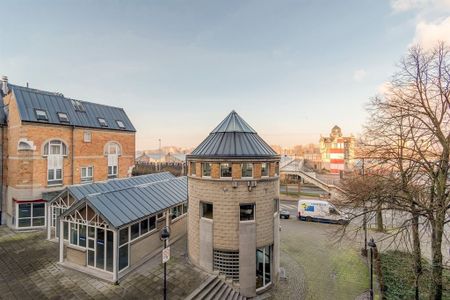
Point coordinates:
pixel 398 273
pixel 352 276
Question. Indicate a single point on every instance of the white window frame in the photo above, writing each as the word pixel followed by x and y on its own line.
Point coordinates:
pixel 102 122
pixel 87 178
pixel 87 136
pixel 121 124
pixel 63 115
pixel 53 158
pixel 242 168
pixel 210 169
pixel 267 167
pixel 113 159
pixel 181 207
pixel 231 172
pixel 41 113
pixel 31 215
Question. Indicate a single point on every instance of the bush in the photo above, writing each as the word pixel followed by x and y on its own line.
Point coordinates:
pixel 398 274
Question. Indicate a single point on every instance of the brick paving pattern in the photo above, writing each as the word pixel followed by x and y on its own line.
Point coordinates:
pixel 29 270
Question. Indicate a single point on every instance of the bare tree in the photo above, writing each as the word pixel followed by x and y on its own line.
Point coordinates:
pixel 407 147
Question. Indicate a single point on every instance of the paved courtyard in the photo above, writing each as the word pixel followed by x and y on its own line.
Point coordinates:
pixel 29 270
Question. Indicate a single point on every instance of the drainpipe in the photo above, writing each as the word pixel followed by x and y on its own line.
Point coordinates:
pixel 73 153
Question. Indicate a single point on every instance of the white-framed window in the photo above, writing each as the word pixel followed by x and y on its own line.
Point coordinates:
pixel 225 170
pixel 31 214
pixel 55 150
pixel 120 124
pixel 178 211
pixel 87 136
pixel 264 169
pixel 206 169
pixel 102 122
pixel 63 117
pixel 247 170
pixel 193 168
pixel 87 174
pixel 113 152
pixel 41 114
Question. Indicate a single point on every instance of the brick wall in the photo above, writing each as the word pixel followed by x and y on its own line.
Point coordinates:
pixel 25 171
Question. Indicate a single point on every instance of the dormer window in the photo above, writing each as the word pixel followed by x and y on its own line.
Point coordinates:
pixel 78 105
pixel 41 115
pixel 120 124
pixel 102 122
pixel 63 117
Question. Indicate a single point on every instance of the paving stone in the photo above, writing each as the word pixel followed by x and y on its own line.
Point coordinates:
pixel 29 270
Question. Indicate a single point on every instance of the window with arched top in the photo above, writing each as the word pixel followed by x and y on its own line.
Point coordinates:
pixel 55 150
pixel 112 151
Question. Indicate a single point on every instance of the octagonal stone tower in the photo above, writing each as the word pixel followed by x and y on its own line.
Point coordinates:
pixel 233 222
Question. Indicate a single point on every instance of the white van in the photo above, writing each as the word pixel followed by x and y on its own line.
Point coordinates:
pixel 320 211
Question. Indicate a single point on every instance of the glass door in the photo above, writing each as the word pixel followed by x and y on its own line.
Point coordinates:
pixel 100 249
pixel 263 267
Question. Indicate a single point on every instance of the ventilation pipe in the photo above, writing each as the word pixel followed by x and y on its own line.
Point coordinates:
pixel 5 85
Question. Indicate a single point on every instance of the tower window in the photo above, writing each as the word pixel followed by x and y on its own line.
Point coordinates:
pixel 247 170
pixel 264 169
pixel 206 210
pixel 247 212
pixel 206 169
pixel 193 170
pixel 225 170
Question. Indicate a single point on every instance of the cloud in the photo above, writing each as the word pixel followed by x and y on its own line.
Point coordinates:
pixel 359 75
pixel 429 33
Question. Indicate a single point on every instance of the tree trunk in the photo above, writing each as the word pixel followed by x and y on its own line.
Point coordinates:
pixel 416 250
pixel 436 250
pixel 379 216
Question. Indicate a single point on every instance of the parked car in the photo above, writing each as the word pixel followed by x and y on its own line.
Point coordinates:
pixel 284 214
pixel 314 210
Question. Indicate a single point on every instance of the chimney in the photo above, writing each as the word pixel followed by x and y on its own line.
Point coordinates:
pixel 5 84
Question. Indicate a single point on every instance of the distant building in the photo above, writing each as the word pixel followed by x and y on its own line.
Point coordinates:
pixel 161 158
pixel 337 151
pixel 49 141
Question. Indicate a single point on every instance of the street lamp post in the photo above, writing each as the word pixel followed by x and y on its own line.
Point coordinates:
pixel 164 236
pixel 372 246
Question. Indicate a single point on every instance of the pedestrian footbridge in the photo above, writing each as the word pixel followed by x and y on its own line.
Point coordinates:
pixel 292 166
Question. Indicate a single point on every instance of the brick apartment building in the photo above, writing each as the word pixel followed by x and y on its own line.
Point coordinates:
pixel 50 141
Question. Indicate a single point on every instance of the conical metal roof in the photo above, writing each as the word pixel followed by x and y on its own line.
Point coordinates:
pixel 233 137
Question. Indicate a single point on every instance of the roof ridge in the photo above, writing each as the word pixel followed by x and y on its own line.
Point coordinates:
pixel 142 185
pixel 61 95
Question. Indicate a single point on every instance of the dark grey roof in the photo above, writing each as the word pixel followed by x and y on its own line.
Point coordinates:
pixel 125 206
pixel 233 137
pixel 2 113
pixel 80 191
pixel 28 100
pixel 47 196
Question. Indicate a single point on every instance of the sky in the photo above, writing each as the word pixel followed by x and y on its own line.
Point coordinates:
pixel 291 69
